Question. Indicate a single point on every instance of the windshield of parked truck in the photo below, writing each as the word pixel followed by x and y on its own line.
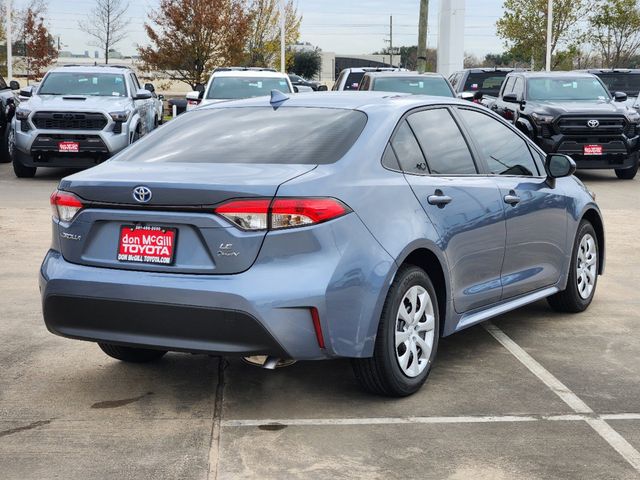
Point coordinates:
pixel 628 83
pixel 418 85
pixel 85 84
pixel 225 88
pixel 568 89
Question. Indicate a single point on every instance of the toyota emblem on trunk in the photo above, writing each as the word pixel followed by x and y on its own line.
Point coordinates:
pixel 142 194
pixel 593 123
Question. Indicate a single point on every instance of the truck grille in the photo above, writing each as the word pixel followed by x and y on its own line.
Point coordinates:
pixel 69 121
pixel 580 125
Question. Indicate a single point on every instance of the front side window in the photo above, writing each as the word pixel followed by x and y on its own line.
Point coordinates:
pixel 518 88
pixel 252 135
pixel 504 150
pixel 418 85
pixel 86 84
pixel 442 142
pixel 227 88
pixel 567 89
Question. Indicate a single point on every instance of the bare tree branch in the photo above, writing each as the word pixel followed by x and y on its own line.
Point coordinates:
pixel 106 24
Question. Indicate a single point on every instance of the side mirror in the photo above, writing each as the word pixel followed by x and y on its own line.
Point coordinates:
pixel 142 94
pixel 149 87
pixel 199 87
pixel 296 89
pixel 161 97
pixel 13 85
pixel 510 98
pixel 620 97
pixel 26 92
pixel 194 95
pixel 558 165
pixel 468 96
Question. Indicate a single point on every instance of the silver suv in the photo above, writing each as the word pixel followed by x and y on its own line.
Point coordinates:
pixel 79 116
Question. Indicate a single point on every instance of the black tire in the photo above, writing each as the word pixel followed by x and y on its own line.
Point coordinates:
pixel 382 374
pixel 627 173
pixel 569 300
pixel 4 146
pixel 131 354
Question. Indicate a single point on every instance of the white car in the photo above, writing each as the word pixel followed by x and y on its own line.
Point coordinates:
pixel 232 83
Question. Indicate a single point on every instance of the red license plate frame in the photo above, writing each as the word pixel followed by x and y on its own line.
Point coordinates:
pixel 147 244
pixel 68 147
pixel 592 150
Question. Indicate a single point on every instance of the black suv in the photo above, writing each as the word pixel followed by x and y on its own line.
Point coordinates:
pixel 625 80
pixel 573 113
pixel 8 103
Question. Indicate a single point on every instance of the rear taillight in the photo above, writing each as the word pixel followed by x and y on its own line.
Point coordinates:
pixel 64 205
pixel 263 214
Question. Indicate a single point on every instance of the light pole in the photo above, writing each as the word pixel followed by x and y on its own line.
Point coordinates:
pixel 422 35
pixel 282 36
pixel 549 33
pixel 9 40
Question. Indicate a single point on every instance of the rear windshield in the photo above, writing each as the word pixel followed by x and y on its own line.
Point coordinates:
pixel 488 83
pixel 90 84
pixel 2 83
pixel 419 85
pixel 353 80
pixel 569 89
pixel 225 88
pixel 295 135
pixel 628 83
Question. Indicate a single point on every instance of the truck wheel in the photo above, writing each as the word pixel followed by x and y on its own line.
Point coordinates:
pixel 627 173
pixel 131 354
pixel 407 338
pixel 21 171
pixel 4 146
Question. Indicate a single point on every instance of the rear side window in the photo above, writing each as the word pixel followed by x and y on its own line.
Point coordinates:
pixel 407 150
pixel 353 80
pixel 504 150
pixel 442 142
pixel 294 135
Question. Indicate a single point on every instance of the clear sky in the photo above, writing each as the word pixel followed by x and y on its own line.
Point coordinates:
pixel 342 26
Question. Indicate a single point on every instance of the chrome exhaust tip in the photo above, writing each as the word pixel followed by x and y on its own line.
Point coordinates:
pixel 268 362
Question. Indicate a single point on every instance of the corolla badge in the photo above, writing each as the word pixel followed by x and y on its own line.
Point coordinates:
pixel 142 194
pixel 226 250
pixel 593 123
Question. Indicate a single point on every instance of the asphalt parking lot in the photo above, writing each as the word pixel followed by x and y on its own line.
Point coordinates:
pixel 533 395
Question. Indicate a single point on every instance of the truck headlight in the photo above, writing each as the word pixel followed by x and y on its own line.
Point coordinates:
pixel 22 114
pixel 119 116
pixel 541 118
pixel 633 117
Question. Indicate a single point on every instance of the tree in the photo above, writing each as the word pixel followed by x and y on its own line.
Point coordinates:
pixel 523 27
pixel 616 31
pixel 39 47
pixel 106 25
pixel 263 45
pixel 192 37
pixel 307 63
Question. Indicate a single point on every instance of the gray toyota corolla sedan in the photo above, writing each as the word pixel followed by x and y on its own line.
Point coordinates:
pixel 359 225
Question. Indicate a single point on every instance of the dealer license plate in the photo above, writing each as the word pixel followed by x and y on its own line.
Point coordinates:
pixel 72 147
pixel 592 150
pixel 147 244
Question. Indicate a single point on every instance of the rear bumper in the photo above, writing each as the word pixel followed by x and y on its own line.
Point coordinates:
pixel 337 267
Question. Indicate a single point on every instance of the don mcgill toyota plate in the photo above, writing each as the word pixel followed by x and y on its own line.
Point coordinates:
pixel 147 244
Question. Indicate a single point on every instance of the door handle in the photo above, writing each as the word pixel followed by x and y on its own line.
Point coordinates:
pixel 438 198
pixel 511 198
